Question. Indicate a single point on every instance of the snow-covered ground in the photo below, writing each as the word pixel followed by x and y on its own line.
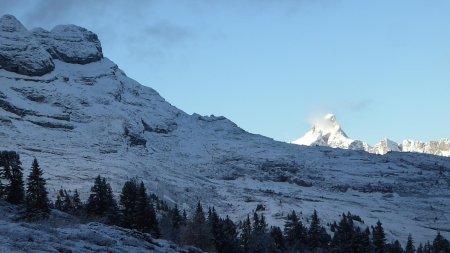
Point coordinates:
pixel 64 233
pixel 80 121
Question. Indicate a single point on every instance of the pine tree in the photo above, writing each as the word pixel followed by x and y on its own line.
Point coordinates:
pixel 37 204
pixel 314 232
pixel 176 217
pixel 427 248
pixel 365 241
pixel 278 240
pixel 112 211
pixel 410 245
pixel 260 239
pixel 246 234
pixel 344 235
pixel 77 205
pixel 59 200
pixel 394 247
pixel 171 224
pixel 11 171
pixel 198 233
pixel 420 249
pixel 67 202
pixel 440 244
pixel 228 240
pixel 15 190
pixel 127 204
pixel 295 232
pixel 379 238
pixel 101 200
pixel 145 216
pixel 153 221
pixel 215 226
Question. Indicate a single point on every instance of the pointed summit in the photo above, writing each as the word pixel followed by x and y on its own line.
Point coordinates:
pixel 328 124
pixel 327 132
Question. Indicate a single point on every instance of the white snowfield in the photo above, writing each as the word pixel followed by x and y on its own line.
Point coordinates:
pixel 328 132
pixel 80 121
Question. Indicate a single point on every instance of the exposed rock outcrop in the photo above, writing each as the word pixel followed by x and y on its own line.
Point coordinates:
pixel 20 52
pixel 32 53
pixel 70 43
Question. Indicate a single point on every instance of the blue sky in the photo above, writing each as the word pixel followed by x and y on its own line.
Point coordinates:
pixel 383 67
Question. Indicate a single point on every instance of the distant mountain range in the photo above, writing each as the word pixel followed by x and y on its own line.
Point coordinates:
pixel 328 132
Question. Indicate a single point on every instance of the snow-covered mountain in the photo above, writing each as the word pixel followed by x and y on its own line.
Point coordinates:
pixel 328 132
pixel 64 103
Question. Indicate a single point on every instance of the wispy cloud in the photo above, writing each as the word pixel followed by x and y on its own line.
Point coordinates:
pixel 167 32
pixel 341 109
pixel 354 106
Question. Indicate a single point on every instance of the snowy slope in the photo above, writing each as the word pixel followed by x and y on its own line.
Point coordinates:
pixel 328 132
pixel 64 233
pixel 87 118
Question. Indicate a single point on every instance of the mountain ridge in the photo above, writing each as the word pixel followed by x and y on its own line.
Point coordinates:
pixel 85 119
pixel 328 132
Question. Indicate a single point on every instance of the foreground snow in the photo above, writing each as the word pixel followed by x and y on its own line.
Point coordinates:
pixel 63 233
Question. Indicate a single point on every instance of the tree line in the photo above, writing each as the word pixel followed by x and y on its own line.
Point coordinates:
pixel 205 229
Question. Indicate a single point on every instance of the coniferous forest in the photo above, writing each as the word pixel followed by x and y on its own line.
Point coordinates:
pixel 137 209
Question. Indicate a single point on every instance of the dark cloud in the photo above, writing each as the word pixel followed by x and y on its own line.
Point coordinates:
pixel 48 13
pixel 167 32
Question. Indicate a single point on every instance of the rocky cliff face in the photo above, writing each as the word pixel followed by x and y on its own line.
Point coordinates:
pixel 32 53
pixel 84 117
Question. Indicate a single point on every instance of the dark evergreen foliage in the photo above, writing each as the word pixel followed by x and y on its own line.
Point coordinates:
pixel 317 235
pixel 77 205
pixel 12 189
pixel 144 213
pixel 394 247
pixel 295 232
pixel 420 248
pixel 246 233
pixel 350 238
pixel 277 239
pixel 199 234
pixel 171 224
pixel 440 244
pixel 67 202
pixel 101 201
pixel 379 238
pixel 37 203
pixel 410 245
pixel 127 204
